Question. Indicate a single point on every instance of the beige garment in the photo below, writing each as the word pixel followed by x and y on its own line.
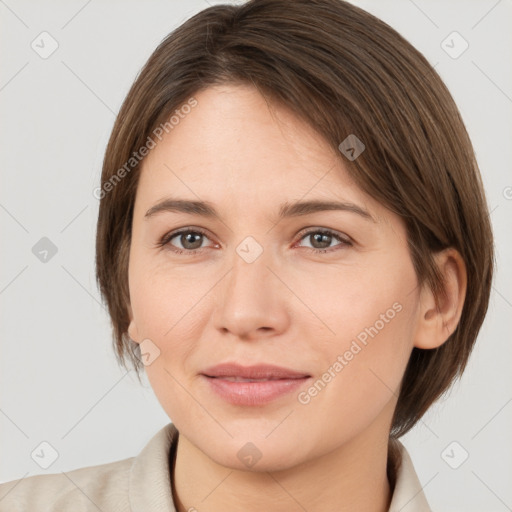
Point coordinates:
pixel 142 484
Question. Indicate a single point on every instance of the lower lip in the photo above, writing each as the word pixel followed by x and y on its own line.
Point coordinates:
pixel 253 393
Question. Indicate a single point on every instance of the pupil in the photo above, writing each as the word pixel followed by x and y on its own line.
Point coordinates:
pixel 189 237
pixel 318 238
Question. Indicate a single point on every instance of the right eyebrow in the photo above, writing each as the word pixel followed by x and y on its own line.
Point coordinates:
pixel 202 208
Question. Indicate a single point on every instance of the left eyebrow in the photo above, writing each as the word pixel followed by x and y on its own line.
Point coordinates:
pixel 206 209
pixel 308 207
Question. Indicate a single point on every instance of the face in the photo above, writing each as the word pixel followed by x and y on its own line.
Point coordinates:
pixel 271 331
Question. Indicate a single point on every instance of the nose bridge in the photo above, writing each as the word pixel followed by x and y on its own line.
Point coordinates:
pixel 249 266
pixel 250 300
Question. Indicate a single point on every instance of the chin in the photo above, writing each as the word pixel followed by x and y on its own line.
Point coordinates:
pixel 251 458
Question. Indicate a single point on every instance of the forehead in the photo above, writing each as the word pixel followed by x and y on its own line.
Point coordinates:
pixel 236 147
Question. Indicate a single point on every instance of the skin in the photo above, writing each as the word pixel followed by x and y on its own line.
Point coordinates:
pixel 291 307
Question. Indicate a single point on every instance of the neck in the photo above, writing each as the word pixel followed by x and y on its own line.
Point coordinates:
pixel 352 477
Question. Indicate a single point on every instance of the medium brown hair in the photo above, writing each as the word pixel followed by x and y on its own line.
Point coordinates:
pixel 344 72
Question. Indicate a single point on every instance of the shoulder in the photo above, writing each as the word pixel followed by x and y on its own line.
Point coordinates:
pixel 135 484
pixel 103 487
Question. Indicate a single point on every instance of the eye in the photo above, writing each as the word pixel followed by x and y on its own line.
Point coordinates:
pixel 191 240
pixel 321 240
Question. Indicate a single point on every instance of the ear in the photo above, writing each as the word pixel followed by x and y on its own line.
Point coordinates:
pixel 436 324
pixel 132 328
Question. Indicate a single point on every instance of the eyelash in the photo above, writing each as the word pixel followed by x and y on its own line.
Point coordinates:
pixel 166 239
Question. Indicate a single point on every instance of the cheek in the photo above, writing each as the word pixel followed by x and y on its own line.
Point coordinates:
pixel 163 300
pixel 169 310
pixel 371 316
pixel 170 315
pixel 364 367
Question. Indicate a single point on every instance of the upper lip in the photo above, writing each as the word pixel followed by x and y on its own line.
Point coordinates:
pixel 257 371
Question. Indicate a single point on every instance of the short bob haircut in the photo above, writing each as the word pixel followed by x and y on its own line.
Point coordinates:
pixel 344 72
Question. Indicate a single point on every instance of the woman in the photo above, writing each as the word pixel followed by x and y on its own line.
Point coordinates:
pixel 293 241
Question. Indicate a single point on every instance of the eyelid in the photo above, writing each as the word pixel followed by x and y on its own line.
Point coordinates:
pixel 166 239
pixel 303 233
pixel 344 240
pixel 316 229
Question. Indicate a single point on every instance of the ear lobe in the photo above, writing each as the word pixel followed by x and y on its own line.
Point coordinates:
pixel 437 322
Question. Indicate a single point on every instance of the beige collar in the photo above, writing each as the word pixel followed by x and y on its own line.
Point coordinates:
pixel 150 491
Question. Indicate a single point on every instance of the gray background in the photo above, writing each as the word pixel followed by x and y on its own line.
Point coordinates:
pixel 59 379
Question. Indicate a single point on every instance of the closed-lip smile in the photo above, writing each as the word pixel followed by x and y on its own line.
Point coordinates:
pixel 252 385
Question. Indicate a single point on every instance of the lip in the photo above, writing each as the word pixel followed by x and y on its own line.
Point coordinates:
pixel 253 385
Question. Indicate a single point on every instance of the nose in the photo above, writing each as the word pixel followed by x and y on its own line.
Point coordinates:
pixel 252 302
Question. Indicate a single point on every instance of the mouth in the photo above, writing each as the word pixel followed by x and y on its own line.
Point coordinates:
pixel 244 379
pixel 254 385
pixel 257 372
